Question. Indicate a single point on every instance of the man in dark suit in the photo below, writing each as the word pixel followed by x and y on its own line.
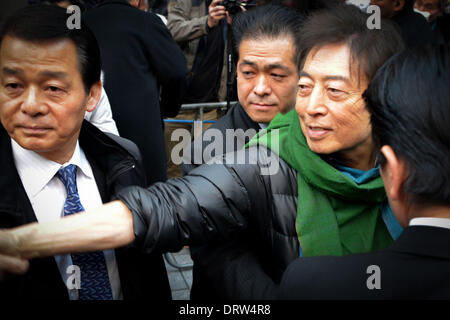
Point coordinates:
pixel 140 60
pixel 51 161
pixel 408 100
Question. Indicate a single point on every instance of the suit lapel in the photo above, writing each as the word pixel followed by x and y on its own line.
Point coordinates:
pixel 15 207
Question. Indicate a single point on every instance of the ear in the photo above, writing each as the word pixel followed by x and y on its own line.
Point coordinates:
pixel 94 96
pixel 393 173
pixel 398 5
pixel 134 3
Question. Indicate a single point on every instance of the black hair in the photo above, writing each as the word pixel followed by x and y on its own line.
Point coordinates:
pixel 268 22
pixel 307 7
pixel 347 24
pixel 42 22
pixel 409 102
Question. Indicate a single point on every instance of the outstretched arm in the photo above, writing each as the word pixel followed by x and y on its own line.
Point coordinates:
pixel 106 227
pixel 213 202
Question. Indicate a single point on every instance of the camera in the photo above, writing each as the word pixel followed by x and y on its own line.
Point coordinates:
pixel 233 6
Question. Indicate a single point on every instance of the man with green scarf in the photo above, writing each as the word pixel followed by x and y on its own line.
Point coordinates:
pixel 324 196
pixel 408 100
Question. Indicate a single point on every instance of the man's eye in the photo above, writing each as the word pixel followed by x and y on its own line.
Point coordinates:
pixel 247 73
pixel 12 86
pixel 303 89
pixel 335 92
pixel 53 89
pixel 277 76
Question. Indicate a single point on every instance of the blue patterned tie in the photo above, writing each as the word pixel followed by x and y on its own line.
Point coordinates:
pixel 94 275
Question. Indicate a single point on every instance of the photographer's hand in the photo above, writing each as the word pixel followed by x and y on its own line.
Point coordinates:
pixel 216 12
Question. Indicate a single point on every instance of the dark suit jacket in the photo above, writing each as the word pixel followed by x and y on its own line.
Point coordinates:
pixel 139 56
pixel 416 266
pixel 116 164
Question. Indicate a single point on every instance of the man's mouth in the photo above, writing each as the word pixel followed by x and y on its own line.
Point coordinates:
pixel 34 130
pixel 316 132
pixel 263 105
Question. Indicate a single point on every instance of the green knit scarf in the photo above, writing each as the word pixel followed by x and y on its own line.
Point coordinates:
pixel 335 215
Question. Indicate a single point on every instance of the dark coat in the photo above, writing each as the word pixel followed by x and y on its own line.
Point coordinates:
pixel 139 57
pixel 414 267
pixel 116 164
pixel 218 201
pixel 414 28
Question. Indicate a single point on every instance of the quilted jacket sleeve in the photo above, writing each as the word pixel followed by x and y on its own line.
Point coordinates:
pixel 212 201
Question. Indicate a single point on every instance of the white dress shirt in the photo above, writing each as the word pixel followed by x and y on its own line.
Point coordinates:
pixel 102 116
pixel 431 222
pixel 47 195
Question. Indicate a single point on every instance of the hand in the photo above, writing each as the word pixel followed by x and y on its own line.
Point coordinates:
pixel 9 243
pixel 8 262
pixel 12 265
pixel 216 12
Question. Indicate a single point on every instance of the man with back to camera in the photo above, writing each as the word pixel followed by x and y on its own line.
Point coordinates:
pixel 145 73
pixel 53 162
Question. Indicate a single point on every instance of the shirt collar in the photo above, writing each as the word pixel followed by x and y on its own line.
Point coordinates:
pixel 263 125
pixel 36 171
pixel 432 222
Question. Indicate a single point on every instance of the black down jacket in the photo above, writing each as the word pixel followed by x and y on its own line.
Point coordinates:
pixel 217 200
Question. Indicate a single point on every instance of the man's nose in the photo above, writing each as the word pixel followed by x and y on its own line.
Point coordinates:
pixel 31 104
pixel 262 86
pixel 317 103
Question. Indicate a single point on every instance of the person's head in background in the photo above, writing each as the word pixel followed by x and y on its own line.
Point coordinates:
pixel 430 9
pixel 339 57
pixel 409 104
pixel 391 8
pixel 66 3
pixel 140 4
pixel 307 7
pixel 268 52
pixel 50 76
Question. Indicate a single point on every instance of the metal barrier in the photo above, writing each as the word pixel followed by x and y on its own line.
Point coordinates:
pixel 201 107
pixel 171 260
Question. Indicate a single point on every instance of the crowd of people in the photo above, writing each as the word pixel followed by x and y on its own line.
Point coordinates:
pixel 333 161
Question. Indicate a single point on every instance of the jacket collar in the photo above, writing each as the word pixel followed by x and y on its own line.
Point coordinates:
pixel 12 194
pixel 424 240
pixel 241 119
